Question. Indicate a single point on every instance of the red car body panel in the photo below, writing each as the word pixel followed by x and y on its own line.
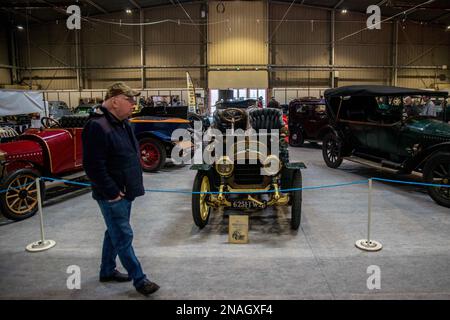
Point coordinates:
pixel 22 150
pixel 57 151
pixel 62 145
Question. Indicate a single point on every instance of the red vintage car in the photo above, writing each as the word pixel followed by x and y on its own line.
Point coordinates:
pixel 55 150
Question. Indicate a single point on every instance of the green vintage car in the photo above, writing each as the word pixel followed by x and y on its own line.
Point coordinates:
pixel 372 125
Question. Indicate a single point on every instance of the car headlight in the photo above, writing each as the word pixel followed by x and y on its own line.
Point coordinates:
pixel 271 165
pixel 224 166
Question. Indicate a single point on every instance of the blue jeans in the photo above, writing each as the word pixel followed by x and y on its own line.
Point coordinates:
pixel 118 241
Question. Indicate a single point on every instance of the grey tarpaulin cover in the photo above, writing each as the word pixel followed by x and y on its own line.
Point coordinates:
pixel 15 102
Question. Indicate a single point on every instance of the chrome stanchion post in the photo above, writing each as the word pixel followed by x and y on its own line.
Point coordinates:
pixel 367 244
pixel 42 244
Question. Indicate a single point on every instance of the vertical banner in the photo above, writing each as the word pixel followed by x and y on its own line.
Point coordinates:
pixel 192 104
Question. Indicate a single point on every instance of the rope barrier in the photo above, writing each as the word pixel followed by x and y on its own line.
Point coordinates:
pixel 413 183
pixel 18 188
pixel 367 244
pixel 357 182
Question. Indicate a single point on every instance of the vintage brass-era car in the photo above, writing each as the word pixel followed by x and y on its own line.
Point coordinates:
pixel 249 169
pixel 371 125
pixel 55 150
pixel 307 121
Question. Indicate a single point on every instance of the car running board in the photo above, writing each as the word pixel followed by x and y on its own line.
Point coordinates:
pixel 372 164
pixel 73 176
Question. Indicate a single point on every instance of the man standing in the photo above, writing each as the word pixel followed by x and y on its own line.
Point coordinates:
pixel 429 109
pixel 112 163
pixel 410 109
pixel 273 103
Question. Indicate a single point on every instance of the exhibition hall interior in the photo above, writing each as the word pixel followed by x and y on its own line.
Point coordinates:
pixel 224 150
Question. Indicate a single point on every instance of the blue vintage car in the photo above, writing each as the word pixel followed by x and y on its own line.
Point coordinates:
pixel 154 134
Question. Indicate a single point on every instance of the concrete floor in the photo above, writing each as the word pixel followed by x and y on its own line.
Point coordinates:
pixel 319 261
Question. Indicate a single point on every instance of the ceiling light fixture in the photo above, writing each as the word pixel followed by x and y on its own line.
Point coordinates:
pixel 128 11
pixel 20 28
pixel 344 11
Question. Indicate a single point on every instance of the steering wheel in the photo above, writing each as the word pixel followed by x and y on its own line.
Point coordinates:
pixel 233 114
pixel 48 122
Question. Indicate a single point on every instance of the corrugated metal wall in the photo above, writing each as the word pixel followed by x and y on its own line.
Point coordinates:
pixel 365 48
pixel 49 46
pixel 175 45
pixel 422 45
pixel 5 75
pixel 236 37
pixel 302 38
pixel 105 44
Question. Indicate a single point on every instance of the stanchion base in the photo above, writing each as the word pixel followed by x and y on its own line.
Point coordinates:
pixel 366 245
pixel 40 245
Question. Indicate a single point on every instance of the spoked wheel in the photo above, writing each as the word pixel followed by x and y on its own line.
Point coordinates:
pixel 332 150
pixel 200 209
pixel 437 171
pixel 153 155
pixel 20 199
pixel 296 209
pixel 296 139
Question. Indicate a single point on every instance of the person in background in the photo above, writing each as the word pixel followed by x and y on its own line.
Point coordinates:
pixel 429 109
pixel 111 160
pixel 260 102
pixel 273 103
pixel 409 108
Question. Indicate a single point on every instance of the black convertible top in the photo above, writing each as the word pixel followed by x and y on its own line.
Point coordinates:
pixel 379 91
pixel 236 103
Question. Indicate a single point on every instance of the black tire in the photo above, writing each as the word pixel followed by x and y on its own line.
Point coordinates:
pixel 200 220
pixel 20 203
pixel 332 150
pixel 152 153
pixel 437 171
pixel 296 139
pixel 296 208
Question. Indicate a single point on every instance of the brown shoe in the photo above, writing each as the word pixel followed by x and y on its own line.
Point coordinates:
pixel 147 288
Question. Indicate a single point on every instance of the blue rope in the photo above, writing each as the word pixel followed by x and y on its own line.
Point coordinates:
pixel 413 183
pixel 17 188
pixel 246 192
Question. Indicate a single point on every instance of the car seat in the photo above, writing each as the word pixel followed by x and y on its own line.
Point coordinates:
pixel 266 118
pixel 74 121
pixel 270 119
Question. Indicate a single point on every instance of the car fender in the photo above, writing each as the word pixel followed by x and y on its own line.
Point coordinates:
pixel 421 157
pixel 9 167
pixel 201 167
pixel 330 129
pixel 323 131
pixel 154 134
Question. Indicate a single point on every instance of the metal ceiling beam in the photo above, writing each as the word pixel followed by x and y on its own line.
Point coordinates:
pixel 23 14
pixel 95 5
pixel 338 4
pixel 134 3
pixel 444 15
pixel 54 7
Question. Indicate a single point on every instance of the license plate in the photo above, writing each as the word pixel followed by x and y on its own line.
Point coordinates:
pixel 247 204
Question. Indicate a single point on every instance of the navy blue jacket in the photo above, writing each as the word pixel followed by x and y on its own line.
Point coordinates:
pixel 111 157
